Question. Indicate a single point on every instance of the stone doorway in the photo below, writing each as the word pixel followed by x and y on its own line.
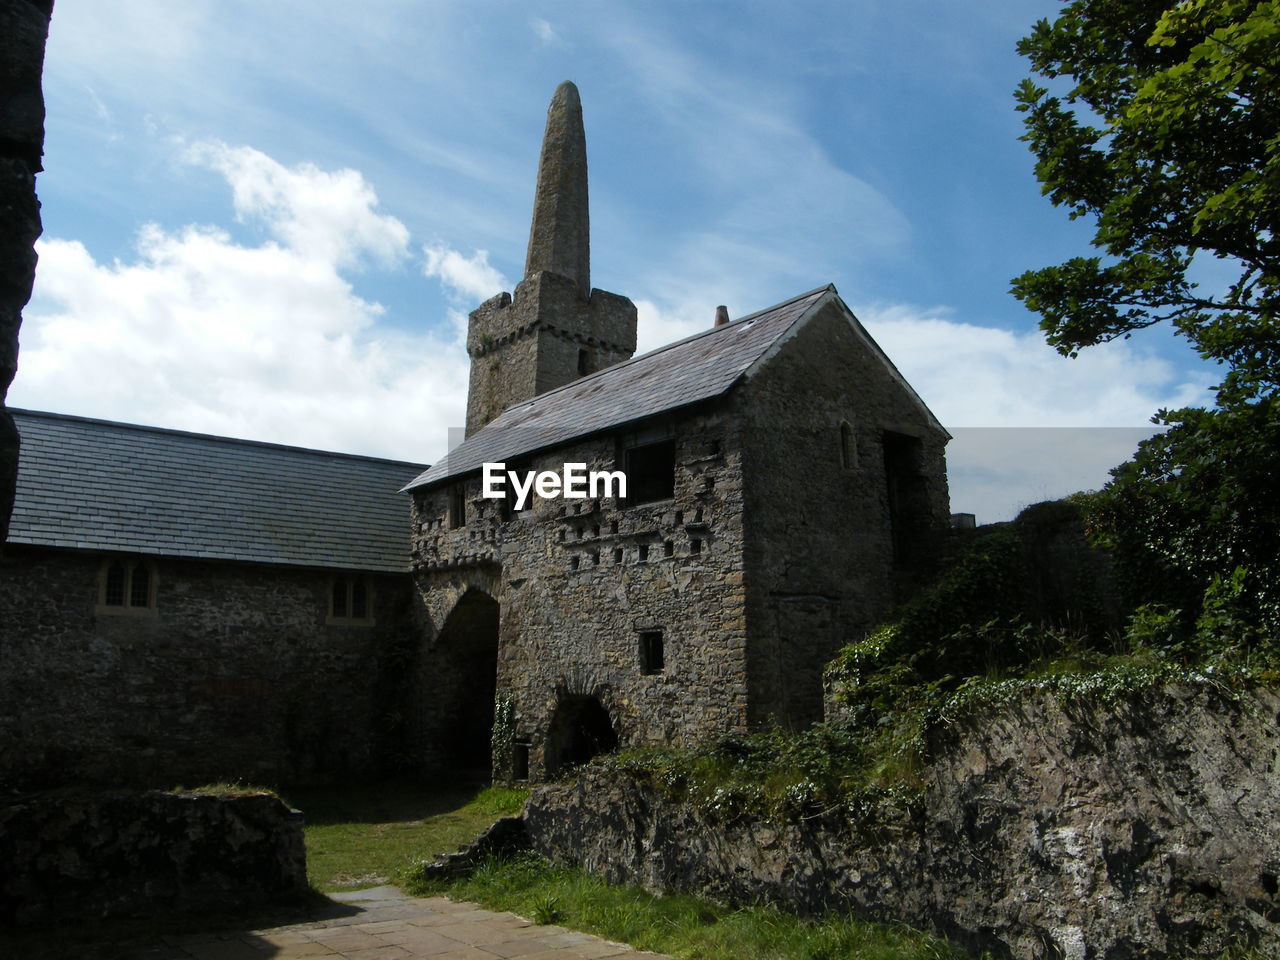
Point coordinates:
pixel 580 729
pixel 467 651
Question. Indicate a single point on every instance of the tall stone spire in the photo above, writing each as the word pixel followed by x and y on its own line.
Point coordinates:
pixel 559 237
pixel 555 328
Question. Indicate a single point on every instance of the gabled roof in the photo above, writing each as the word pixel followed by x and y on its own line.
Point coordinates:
pixel 688 371
pixel 99 485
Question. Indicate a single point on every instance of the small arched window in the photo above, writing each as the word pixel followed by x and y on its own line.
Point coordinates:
pixel 848 446
pixel 126 586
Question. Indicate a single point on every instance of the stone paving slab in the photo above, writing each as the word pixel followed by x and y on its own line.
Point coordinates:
pixel 384 924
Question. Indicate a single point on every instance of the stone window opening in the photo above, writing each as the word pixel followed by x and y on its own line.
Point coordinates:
pixel 668 548
pixel 848 446
pixel 457 507
pixel 907 496
pixel 350 602
pixel 695 546
pixel 595 558
pixel 573 563
pixel 652 655
pixel 617 555
pixel 642 552
pixel 651 472
pixel 520 760
pixel 126 587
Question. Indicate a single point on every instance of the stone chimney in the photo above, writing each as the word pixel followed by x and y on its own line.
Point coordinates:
pixel 722 316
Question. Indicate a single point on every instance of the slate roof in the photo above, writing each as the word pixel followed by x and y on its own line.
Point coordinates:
pixel 99 485
pixel 697 368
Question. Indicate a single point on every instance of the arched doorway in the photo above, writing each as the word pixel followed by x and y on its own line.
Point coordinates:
pixel 580 729
pixel 466 681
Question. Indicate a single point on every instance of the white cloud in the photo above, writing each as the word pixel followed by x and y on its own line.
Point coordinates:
pixel 324 216
pixel 268 342
pixel 465 278
pixel 976 376
pixel 545 32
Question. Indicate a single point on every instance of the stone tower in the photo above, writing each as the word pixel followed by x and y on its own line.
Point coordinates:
pixel 555 328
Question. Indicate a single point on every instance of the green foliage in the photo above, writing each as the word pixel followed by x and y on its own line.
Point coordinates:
pixel 1196 508
pixel 1165 135
pixel 502 739
pixel 680 926
pixel 501 801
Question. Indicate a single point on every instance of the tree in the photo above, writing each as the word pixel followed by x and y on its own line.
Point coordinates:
pixel 1167 134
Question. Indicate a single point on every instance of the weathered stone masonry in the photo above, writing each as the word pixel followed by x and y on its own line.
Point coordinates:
pixel 787 484
pixel 234 674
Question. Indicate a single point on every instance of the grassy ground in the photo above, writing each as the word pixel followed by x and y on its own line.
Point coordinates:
pixel 361 835
pixel 681 926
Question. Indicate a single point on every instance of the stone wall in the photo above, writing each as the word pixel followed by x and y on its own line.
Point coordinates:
pixel 90 857
pixel 234 674
pixel 1051 827
pixel 577 581
pixel 820 552
pixel 24 24
pixel 526 345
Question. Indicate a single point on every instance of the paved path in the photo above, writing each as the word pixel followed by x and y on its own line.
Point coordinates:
pixel 384 924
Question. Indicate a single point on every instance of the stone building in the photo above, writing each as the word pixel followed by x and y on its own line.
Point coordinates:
pixel 783 480
pixel 178 608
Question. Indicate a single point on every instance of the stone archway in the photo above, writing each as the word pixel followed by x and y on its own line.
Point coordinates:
pixel 580 729
pixel 466 681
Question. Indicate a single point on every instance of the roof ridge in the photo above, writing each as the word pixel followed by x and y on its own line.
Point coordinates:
pixel 668 346
pixel 240 441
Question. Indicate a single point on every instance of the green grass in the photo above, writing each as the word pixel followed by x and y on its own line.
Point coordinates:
pixel 362 835
pixel 681 926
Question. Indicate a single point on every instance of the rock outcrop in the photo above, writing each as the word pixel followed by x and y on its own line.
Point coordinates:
pixel 1051 827
pixel 24 25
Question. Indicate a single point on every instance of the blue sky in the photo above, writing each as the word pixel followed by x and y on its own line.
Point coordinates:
pixel 269 220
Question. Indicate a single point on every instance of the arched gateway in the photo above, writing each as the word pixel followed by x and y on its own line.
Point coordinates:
pixel 467 657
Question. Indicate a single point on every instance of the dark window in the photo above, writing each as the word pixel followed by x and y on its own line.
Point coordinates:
pixel 351 600
pixel 907 495
pixel 140 586
pixel 519 761
pixel 642 552
pixel 114 596
pixel 617 555
pixel 695 546
pixel 651 472
pixel 651 653
pixel 848 446
pixel 668 549
pixel 586 362
pixel 457 507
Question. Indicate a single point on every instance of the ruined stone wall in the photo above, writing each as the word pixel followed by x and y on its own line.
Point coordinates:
pixel 24 24
pixel 820 556
pixel 523 346
pixel 234 675
pixel 86 857
pixel 1050 827
pixel 578 581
